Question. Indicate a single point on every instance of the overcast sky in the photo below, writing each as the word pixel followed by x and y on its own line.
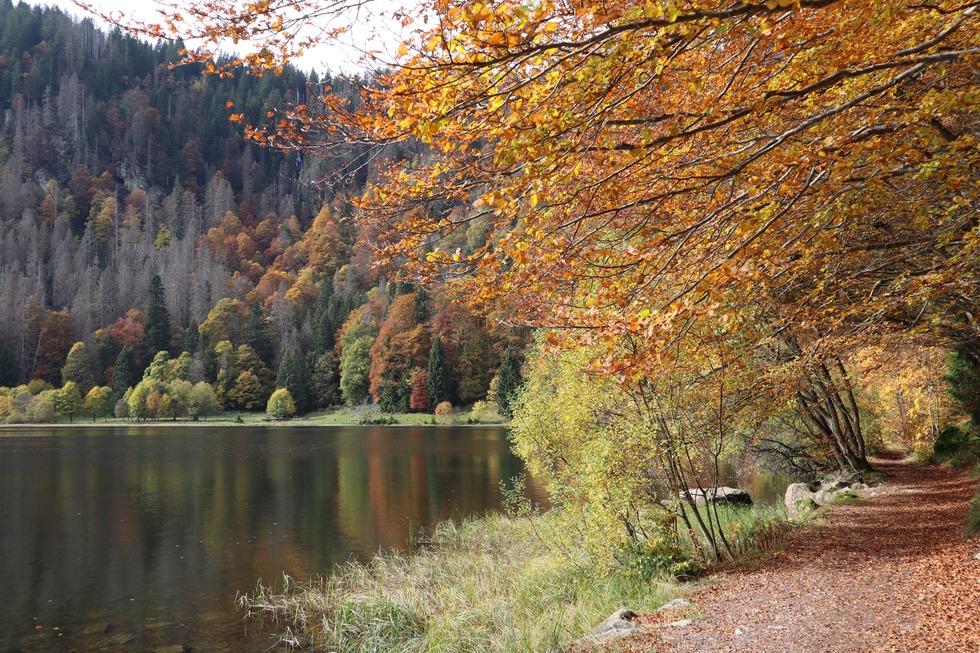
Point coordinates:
pixel 371 32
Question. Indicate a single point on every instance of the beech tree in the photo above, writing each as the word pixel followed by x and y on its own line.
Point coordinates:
pixel 804 173
pixel 78 368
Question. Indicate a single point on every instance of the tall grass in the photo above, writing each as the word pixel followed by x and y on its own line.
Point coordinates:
pixel 488 584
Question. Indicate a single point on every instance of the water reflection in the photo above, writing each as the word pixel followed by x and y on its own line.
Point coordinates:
pixel 138 538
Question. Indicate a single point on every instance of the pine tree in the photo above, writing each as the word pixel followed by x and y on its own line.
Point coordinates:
pixel 508 381
pixel 156 330
pixel 78 368
pixel 126 375
pixel 257 334
pixel 440 385
pixel 292 377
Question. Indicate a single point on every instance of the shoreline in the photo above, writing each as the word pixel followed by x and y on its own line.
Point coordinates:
pixel 321 419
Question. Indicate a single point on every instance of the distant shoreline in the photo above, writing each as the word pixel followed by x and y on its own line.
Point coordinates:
pixel 230 419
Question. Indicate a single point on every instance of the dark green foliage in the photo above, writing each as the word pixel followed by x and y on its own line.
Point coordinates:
pixel 963 378
pixel 324 378
pixel 973 517
pixel 396 394
pixel 192 338
pixel 423 307
pixel 209 359
pixel 258 336
pixel 292 376
pixel 126 375
pixel 440 385
pixel 508 381
pixel 156 327
pixel 323 327
pixel 8 373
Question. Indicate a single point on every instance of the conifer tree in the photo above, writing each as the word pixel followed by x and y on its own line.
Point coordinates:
pixel 440 385
pixel 156 330
pixel 292 376
pixel 508 381
pixel 126 375
pixel 257 335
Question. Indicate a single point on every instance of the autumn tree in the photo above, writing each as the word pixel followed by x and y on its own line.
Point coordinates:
pixel 280 405
pixel 78 368
pixel 98 402
pixel 642 174
pixel 54 341
pixel 68 400
pixel 401 345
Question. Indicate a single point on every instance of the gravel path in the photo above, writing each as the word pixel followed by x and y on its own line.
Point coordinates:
pixel 892 574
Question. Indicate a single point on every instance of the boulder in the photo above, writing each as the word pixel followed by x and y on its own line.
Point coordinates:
pixel 620 623
pixel 800 495
pixel 676 603
pixel 720 494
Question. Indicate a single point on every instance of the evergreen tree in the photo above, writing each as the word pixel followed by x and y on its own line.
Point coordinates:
pixel 508 381
pixel 209 359
pixel 78 368
pixel 292 376
pixel 423 310
pixel 192 339
pixel 156 329
pixel 257 334
pixel 963 379
pixel 440 385
pixel 323 327
pixel 126 375
pixel 324 379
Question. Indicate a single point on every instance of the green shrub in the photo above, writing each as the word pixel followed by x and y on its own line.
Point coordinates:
pixel 973 517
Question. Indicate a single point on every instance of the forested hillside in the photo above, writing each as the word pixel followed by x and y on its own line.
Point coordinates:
pixel 134 218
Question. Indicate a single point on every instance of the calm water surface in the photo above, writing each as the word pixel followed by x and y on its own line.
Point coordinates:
pixel 139 538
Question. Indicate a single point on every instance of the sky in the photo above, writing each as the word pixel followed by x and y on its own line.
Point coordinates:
pixel 344 57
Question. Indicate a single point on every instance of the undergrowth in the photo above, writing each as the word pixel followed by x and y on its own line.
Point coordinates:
pixel 488 584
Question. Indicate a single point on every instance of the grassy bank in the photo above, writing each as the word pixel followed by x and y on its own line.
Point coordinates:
pixel 488 584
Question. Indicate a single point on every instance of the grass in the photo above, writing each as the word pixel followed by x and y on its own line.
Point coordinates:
pixel 488 584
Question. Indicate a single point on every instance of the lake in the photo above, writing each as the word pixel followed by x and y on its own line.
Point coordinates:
pixel 139 538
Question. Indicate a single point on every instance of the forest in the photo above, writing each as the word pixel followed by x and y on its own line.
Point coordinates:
pixel 135 219
pixel 655 235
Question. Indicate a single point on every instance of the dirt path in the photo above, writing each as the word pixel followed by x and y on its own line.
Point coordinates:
pixel 893 574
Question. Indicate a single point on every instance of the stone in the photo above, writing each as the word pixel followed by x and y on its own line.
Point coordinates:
pixel 683 623
pixel 796 498
pixel 676 603
pixel 839 480
pixel 720 494
pixel 621 622
pixel 976 556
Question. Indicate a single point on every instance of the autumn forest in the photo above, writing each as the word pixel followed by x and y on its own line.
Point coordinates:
pixel 656 238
